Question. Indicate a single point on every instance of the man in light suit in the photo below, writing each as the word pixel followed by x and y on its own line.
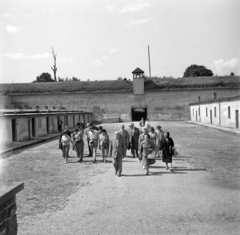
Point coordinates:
pixel 116 152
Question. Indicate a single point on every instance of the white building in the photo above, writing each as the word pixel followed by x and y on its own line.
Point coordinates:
pixel 223 111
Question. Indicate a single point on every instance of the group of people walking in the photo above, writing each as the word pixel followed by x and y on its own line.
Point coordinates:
pixel 144 142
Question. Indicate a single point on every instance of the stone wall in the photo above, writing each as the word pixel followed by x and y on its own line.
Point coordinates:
pixel 160 104
pixel 5 102
pixel 8 208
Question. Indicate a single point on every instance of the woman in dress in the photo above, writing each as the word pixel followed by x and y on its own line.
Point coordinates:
pixel 159 132
pixel 146 145
pixel 65 140
pixel 78 143
pixel 166 146
pixel 154 138
pixel 104 144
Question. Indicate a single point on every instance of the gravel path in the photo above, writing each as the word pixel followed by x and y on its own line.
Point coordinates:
pixel 88 198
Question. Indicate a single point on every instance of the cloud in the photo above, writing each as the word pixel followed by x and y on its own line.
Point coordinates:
pixel 7 15
pixel 97 63
pixel 110 8
pixel 12 29
pixel 132 22
pixel 113 50
pixel 102 49
pixel 140 6
pixel 226 67
pixel 19 56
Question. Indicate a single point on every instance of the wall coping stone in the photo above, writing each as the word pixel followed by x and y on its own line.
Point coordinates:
pixel 8 192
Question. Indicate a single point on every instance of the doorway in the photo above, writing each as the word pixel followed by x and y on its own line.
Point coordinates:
pixel 138 113
pixel 237 118
pixel 33 128
pixel 14 130
pixel 211 116
pixel 47 124
pixel 29 129
pixel 196 116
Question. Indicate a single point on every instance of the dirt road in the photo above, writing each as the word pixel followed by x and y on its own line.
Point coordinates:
pixel 188 201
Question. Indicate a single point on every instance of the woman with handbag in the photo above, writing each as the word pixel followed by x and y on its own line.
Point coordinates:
pixel 166 146
pixel 147 147
pixel 78 143
pixel 154 138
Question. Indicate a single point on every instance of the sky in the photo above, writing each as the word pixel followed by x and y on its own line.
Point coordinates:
pixel 108 39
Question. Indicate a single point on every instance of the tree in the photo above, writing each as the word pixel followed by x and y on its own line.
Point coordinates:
pixel 197 71
pixel 232 74
pixel 44 77
pixel 54 68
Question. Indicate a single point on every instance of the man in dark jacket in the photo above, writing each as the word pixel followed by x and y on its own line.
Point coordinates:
pixel 133 139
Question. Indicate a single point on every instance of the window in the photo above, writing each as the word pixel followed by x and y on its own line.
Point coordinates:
pixel 215 112
pixel 229 112
pixel 206 112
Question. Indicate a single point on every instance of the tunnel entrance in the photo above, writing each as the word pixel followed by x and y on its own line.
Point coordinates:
pixel 138 113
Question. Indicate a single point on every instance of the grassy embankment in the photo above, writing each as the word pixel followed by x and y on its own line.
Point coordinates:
pixel 120 85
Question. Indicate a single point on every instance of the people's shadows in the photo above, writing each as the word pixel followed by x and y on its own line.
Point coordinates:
pixel 167 172
pixel 189 169
pixel 154 174
pixel 157 167
pixel 135 175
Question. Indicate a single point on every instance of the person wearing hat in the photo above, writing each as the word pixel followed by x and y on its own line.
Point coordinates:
pixel 78 143
pixel 116 153
pixel 133 133
pixel 87 134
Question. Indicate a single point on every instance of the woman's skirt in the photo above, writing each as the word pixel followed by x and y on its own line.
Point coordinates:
pixel 145 162
pixel 166 157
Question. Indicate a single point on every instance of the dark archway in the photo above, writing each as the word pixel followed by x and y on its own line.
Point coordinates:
pixel 138 113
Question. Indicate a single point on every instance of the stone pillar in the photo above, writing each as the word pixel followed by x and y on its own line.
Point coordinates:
pixel 8 208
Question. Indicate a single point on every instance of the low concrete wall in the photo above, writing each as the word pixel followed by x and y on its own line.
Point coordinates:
pixel 8 208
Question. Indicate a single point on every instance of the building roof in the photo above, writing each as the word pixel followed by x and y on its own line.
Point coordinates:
pixel 219 100
pixel 137 70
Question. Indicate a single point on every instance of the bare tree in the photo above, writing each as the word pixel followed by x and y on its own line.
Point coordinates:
pixel 54 68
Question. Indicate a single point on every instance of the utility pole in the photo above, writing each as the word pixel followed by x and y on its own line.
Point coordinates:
pixel 149 62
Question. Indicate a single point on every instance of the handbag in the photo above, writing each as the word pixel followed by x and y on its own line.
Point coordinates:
pixel 151 161
pixel 175 152
pixel 60 145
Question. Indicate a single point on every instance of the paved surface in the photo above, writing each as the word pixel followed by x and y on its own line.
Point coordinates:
pixel 201 197
pixel 231 130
